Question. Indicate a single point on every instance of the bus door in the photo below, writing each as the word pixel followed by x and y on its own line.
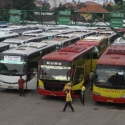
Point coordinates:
pixel 78 80
pixel 32 75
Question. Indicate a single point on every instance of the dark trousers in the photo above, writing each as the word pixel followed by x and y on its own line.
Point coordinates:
pixel 82 99
pixel 21 90
pixel 91 83
pixel 68 103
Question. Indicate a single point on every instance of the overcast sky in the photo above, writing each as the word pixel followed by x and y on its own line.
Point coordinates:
pixel 98 1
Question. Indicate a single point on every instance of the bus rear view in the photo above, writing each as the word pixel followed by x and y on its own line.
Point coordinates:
pixel 109 85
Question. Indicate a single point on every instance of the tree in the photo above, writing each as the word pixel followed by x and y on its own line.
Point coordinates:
pixel 108 7
pixel 120 8
pixel 118 1
pixel 23 4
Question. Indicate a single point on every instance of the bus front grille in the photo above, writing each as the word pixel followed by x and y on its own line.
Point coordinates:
pixel 53 85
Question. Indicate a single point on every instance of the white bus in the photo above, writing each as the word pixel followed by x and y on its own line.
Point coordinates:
pixel 81 33
pixel 32 31
pixel 3 47
pixel 7 34
pixel 22 61
pixel 19 29
pixel 14 42
pixel 62 40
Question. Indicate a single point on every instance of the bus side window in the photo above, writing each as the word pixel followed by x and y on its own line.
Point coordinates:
pixel 79 75
pixel 65 44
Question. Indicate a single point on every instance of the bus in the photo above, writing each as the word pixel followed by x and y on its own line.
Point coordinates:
pixel 62 40
pixel 22 61
pixel 109 84
pixel 20 28
pixel 68 64
pixel 14 42
pixel 119 40
pixel 32 31
pixel 112 36
pixel 7 34
pixel 3 47
pixel 81 33
pixel 100 42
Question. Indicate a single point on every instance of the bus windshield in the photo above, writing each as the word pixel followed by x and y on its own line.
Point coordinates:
pixel 61 73
pixel 110 76
pixel 12 65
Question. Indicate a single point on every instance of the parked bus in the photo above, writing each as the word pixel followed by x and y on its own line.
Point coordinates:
pixel 109 85
pixel 100 42
pixel 23 61
pixel 120 40
pixel 19 28
pixel 62 40
pixel 69 64
pixel 14 42
pixel 112 36
pixel 3 47
pixel 32 31
pixel 7 34
pixel 80 33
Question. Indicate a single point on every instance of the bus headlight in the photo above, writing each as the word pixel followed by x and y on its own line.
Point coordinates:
pixel 96 93
pixel 41 87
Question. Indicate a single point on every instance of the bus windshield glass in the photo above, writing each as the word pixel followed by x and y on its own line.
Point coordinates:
pixel 55 71
pixel 110 76
pixel 12 65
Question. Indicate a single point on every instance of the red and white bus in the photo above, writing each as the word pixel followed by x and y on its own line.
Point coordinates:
pixel 109 85
pixel 69 64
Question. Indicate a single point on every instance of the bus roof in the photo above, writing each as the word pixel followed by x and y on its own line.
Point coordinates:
pixel 68 53
pixel 3 44
pixel 88 42
pixel 120 40
pixel 59 39
pixel 95 37
pixel 5 34
pixel 20 39
pixel 29 48
pixel 113 55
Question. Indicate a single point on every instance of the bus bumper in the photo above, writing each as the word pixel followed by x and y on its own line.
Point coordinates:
pixel 108 99
pixel 51 93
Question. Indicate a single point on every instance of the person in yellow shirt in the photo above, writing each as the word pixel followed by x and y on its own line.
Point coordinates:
pixel 82 95
pixel 67 86
pixel 68 101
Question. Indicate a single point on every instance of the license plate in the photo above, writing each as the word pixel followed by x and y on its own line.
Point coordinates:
pixel 10 87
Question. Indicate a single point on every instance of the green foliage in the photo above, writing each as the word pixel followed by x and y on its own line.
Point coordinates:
pixel 23 4
pixel 119 8
pixel 109 8
pixel 118 1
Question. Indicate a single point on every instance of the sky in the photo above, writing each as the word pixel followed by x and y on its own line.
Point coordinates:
pixel 98 1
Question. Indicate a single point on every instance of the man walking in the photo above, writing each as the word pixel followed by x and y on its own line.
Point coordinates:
pixel 21 86
pixel 82 95
pixel 91 78
pixel 68 101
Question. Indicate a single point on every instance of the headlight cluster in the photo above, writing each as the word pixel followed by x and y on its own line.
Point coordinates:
pixel 123 96
pixel 96 93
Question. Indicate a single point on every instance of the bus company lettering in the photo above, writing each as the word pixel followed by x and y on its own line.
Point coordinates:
pixel 54 63
pixel 111 91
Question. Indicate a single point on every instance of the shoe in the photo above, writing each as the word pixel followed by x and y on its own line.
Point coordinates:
pixel 63 110
pixel 73 111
